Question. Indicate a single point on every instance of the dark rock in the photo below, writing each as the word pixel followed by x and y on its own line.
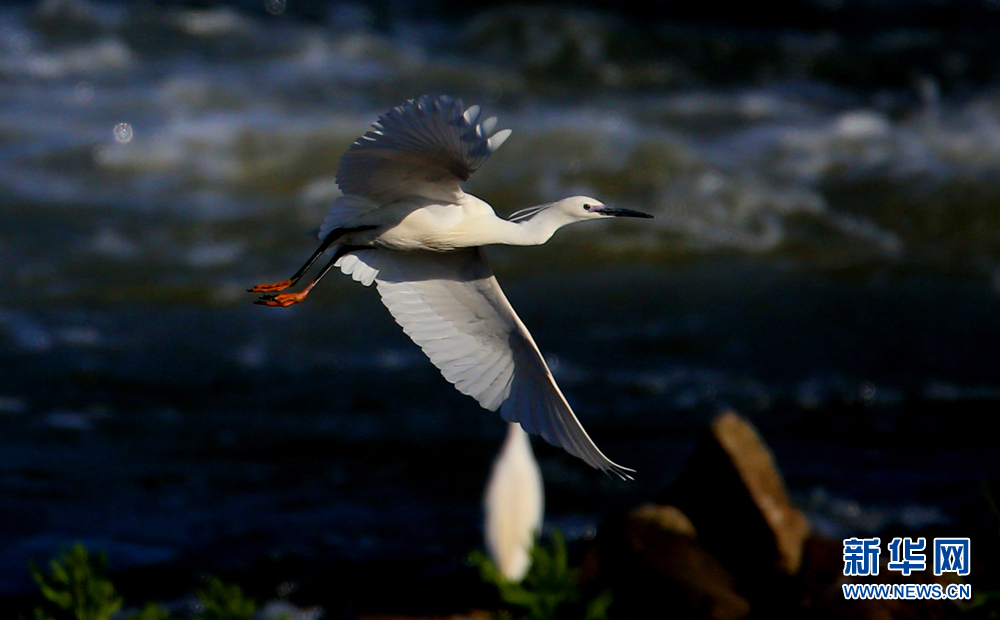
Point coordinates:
pixel 734 495
pixel 821 595
pixel 652 559
pixel 724 542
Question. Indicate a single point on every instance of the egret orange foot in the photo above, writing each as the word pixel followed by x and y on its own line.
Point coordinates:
pixel 282 301
pixel 271 288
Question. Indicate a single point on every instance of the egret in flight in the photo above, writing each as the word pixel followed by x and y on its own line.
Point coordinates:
pixel 405 224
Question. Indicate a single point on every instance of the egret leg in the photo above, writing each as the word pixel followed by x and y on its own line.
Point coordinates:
pixel 287 299
pixel 335 234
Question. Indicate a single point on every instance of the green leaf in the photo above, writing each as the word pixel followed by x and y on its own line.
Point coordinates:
pixel 151 611
pixel 550 590
pixel 597 608
pixel 76 585
pixel 41 615
pixel 220 601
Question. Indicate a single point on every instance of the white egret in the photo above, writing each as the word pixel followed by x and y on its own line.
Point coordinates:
pixel 405 224
pixel 513 505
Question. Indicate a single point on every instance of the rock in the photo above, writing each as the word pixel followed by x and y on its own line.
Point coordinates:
pixel 734 495
pixel 665 540
pixel 722 540
pixel 821 596
pixel 658 518
pixel 653 561
pixel 821 572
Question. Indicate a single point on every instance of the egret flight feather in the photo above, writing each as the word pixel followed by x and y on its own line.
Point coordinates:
pixel 405 224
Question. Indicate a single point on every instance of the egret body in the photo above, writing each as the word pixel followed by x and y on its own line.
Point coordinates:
pixel 513 505
pixel 405 224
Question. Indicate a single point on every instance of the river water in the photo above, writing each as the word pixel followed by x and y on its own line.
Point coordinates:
pixel 825 259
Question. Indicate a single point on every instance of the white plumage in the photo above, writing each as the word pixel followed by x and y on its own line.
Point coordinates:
pixel 405 225
pixel 513 505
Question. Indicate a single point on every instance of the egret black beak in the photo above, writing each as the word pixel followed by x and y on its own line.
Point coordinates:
pixel 615 212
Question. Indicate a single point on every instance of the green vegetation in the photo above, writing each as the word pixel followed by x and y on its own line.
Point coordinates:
pixel 550 590
pixel 76 588
pixel 224 602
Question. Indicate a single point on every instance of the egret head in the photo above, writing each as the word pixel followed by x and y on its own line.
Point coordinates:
pixel 537 224
pixel 580 208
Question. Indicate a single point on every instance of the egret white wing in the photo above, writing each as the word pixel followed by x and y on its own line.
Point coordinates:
pixel 362 266
pixel 425 147
pixel 342 211
pixel 451 305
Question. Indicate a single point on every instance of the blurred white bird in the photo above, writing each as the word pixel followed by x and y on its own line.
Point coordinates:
pixel 513 505
pixel 405 224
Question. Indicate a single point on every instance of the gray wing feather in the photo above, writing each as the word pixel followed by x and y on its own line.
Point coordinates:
pixel 342 211
pixel 450 304
pixel 425 147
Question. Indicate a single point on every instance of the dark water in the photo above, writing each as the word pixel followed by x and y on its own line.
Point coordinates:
pixel 825 258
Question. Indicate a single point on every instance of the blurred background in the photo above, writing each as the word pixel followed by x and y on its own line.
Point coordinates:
pixel 825 259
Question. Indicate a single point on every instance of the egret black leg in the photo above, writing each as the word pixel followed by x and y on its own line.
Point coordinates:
pixel 329 240
pixel 287 299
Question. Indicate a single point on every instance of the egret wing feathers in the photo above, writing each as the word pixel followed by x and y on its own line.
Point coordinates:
pixel 425 147
pixel 342 211
pixel 451 305
pixel 361 265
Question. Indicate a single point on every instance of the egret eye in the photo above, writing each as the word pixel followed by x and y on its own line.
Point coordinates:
pixel 587 207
